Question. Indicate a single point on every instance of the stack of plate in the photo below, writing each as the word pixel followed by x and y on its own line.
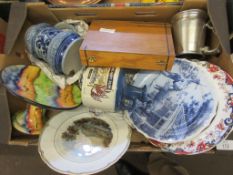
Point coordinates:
pixel 185 111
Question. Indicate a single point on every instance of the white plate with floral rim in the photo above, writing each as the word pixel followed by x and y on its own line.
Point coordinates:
pixel 176 106
pixel 219 128
pixel 79 142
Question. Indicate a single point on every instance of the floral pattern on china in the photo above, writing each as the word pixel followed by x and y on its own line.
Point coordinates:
pixel 43 40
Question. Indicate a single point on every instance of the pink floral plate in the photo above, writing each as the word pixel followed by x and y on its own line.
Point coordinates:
pixel 221 125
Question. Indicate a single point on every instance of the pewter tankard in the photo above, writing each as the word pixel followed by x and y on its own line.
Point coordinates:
pixel 189 33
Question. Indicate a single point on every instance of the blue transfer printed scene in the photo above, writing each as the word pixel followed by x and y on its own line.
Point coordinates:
pixel 175 104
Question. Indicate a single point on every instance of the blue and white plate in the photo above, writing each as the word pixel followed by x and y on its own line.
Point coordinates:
pixel 222 124
pixel 177 105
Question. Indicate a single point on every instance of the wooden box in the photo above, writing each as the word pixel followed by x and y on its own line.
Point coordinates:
pixel 128 44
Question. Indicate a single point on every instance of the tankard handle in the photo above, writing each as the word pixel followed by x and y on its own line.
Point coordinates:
pixel 206 50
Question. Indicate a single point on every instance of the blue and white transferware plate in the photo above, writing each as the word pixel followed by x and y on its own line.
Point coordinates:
pixel 221 125
pixel 177 105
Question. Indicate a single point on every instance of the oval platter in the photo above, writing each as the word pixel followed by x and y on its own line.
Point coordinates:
pixel 32 84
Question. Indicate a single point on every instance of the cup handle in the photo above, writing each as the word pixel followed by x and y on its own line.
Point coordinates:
pixel 206 50
pixel 210 52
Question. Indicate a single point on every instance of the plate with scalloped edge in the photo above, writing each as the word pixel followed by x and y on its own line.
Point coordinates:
pixel 177 105
pixel 219 128
pixel 78 142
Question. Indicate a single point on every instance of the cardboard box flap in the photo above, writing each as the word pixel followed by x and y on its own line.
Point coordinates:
pixel 191 4
pixel 17 17
pixel 34 12
pixel 4 117
pixel 218 15
pixel 39 13
pixel 160 12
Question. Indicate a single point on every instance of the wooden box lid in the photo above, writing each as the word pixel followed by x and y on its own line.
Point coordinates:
pixel 129 37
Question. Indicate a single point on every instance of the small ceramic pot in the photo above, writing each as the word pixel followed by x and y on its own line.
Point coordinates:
pixel 58 48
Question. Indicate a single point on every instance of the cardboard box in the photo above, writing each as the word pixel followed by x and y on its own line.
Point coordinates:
pixel 128 44
pixel 23 15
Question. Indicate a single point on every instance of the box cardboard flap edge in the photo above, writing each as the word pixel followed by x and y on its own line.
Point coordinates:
pixel 19 13
pixel 6 128
pixel 218 15
pixel 188 4
pixel 15 24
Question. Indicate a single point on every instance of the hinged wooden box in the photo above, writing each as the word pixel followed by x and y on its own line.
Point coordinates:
pixel 128 44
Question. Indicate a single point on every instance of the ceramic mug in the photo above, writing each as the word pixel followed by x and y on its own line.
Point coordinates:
pixel 58 48
pixel 101 88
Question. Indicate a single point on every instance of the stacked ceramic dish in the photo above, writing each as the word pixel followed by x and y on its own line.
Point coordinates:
pixel 185 111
